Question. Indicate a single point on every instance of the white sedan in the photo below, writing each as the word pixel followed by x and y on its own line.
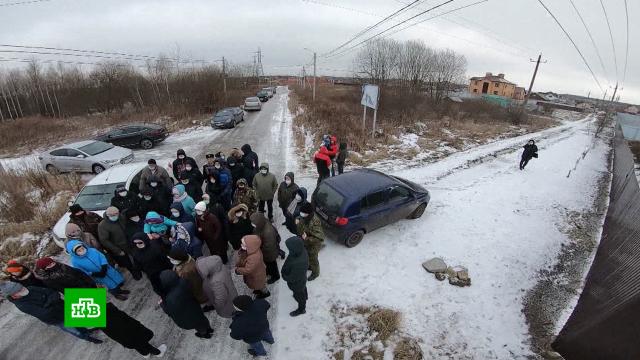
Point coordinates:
pixel 84 156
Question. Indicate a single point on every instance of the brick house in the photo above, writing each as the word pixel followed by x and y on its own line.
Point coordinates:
pixel 493 85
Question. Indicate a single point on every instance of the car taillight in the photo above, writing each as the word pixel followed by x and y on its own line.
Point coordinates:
pixel 342 221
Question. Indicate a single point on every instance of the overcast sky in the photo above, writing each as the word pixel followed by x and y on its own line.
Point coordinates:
pixel 499 36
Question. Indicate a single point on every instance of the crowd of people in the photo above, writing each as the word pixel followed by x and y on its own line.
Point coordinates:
pixel 162 229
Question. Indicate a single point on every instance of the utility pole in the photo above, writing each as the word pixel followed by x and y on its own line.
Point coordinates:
pixel 304 80
pixel 533 80
pixel 224 77
pixel 314 76
pixel 614 93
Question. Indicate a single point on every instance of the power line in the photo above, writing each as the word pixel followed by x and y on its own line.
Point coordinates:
pixel 394 26
pixel 626 56
pixel 24 3
pixel 81 51
pixel 613 44
pixel 604 69
pixel 407 6
pixel 572 42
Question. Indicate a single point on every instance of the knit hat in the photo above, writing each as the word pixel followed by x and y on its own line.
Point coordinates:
pixel 180 152
pixel 201 206
pixel 9 288
pixel 178 254
pixel 75 208
pixel 242 302
pixel 209 156
pixel 77 246
pixel 13 266
pixel 112 211
pixel 151 162
pixel 306 208
pixel 44 262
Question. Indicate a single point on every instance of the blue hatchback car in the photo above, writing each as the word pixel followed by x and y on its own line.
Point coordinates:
pixel 358 202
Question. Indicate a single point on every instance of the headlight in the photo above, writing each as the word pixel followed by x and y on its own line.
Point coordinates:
pixel 111 161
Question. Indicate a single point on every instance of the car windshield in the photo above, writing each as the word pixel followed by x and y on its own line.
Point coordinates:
pixel 262 93
pixel 96 197
pixel 329 200
pixel 222 114
pixel 252 99
pixel 96 148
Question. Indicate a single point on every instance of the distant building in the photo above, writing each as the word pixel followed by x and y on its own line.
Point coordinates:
pixel 632 110
pixel 519 93
pixel 585 106
pixel 492 85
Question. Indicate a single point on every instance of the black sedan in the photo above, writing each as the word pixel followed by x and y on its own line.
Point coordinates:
pixel 135 135
pixel 263 96
pixel 227 118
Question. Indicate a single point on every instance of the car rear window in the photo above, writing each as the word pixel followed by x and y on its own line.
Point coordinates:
pixel 254 99
pixel 96 148
pixel 96 197
pixel 329 200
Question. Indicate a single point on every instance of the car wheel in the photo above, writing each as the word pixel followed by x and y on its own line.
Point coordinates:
pixel 233 124
pixel 52 170
pixel 97 169
pixel 417 213
pixel 146 144
pixel 354 239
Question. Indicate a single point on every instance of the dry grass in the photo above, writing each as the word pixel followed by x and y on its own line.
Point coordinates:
pixel 407 349
pixel 385 322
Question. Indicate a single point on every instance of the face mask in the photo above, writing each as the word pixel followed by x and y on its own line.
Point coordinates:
pixel 175 193
pixel 240 186
pixel 146 197
pixel 184 181
pixel 153 184
pixel 254 225
pixel 303 215
pixel 113 218
pixel 140 245
pixel 288 182
pixel 243 247
pixel 213 181
pixel 152 167
pixel 122 193
pixel 264 172
pixel 180 157
pixel 206 201
pixel 232 164
pixel 175 262
pixel 188 168
pixel 175 214
pixel 298 198
pixel 81 251
pixel 217 166
pixel 199 213
pixel 239 214
pixel 135 218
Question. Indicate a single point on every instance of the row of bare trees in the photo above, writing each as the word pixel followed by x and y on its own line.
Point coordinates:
pixel 410 66
pixel 60 90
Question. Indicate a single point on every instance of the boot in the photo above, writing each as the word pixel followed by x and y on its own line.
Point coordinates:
pixel 297 312
pixel 121 297
pixel 312 277
pixel 125 291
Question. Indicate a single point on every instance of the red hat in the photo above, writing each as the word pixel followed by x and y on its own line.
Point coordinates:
pixel 13 266
pixel 44 262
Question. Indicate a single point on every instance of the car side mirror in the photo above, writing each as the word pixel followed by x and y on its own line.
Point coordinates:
pixel 80 156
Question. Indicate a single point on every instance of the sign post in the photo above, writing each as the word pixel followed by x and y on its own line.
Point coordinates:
pixel 370 96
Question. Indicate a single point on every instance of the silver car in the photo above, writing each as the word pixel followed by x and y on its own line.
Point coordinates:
pixel 84 156
pixel 252 103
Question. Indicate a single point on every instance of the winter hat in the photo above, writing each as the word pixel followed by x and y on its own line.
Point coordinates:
pixel 183 176
pixel 231 161
pixel 10 288
pixel 306 208
pixel 201 206
pixel 151 162
pixel 13 266
pixel 178 254
pixel 181 152
pixel 77 246
pixel 44 262
pixel 112 211
pixel 242 302
pixel 209 156
pixel 129 213
pixel 75 208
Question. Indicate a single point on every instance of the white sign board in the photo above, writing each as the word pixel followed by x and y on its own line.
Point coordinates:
pixel 370 96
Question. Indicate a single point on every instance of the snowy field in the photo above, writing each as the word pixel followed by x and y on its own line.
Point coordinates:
pixel 485 214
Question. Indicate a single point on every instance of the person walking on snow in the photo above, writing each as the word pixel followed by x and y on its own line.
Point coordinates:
pixel 94 263
pixel 21 274
pixel 530 151
pixel 179 303
pixel 45 305
pixel 250 162
pixel 180 163
pixel 294 210
pixel 324 158
pixel 310 230
pixel 294 272
pixel 217 284
pixel 269 245
pixel 153 171
pixel 286 194
pixel 150 256
pixel 113 238
pixel 251 266
pixel 130 333
pixel 239 225
pixel 59 276
pixel 245 195
pixel 265 185
pixel 209 230
pixel 341 158
pixel 250 324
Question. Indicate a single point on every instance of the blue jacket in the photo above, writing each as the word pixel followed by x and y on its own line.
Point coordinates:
pixel 186 200
pixel 156 223
pixel 92 262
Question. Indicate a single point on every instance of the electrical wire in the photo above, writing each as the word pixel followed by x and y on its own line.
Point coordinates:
pixel 82 51
pixel 23 3
pixel 574 44
pixel 393 27
pixel 626 55
pixel 595 46
pixel 613 43
pixel 404 8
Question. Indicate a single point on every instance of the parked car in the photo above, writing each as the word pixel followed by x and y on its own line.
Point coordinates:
pixel 358 202
pixel 97 193
pixel 227 117
pixel 252 103
pixel 135 135
pixel 269 91
pixel 263 95
pixel 84 156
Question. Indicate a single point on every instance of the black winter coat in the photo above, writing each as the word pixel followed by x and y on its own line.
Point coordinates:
pixel 178 165
pixel 152 259
pixel 125 330
pixel 194 189
pixel 131 201
pixel 28 281
pixel 249 325
pixel 529 151
pixel 131 228
pixel 42 303
pixel 157 204
pixel 179 303
pixel 294 269
pixel 63 276
pixel 239 230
